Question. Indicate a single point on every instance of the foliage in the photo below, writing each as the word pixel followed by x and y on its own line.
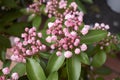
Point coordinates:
pixel 53 62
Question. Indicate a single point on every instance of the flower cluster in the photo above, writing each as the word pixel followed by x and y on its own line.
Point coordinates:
pixel 67 36
pixel 53 6
pixel 110 39
pixel 30 45
pixel 6 71
pixel 35 7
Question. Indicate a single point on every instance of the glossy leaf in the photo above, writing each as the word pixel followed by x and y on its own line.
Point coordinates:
pixel 83 58
pixel 37 22
pixel 93 36
pixel 34 70
pixel 54 63
pixel 80 6
pixel 73 68
pixel 99 59
pixel 19 68
pixel 53 76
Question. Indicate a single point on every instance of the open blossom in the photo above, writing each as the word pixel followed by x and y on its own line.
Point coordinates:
pixel 6 70
pixel 30 45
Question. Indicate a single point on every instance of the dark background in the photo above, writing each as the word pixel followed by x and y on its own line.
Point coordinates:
pixel 100 12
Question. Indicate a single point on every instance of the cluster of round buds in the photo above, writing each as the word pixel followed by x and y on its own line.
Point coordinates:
pixel 64 38
pixel 6 71
pixel 101 26
pixel 53 6
pixel 110 39
pixel 29 46
pixel 35 7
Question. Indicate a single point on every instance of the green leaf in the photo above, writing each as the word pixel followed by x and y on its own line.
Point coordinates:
pixel 7 63
pixel 4 42
pixel 103 71
pixel 99 59
pixel 9 3
pixel 52 19
pixel 2 54
pixel 23 78
pixel 80 6
pixel 83 58
pixel 54 63
pixel 93 36
pixel 10 16
pixel 99 78
pixel 37 21
pixel 16 26
pixel 53 76
pixel 88 1
pixel 73 68
pixel 19 68
pixel 34 70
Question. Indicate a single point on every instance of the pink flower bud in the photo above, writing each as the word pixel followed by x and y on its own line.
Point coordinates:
pixel 83 47
pixel 58 53
pixel 48 39
pixel 73 33
pixel 26 29
pixel 28 52
pixel 40 35
pixel 68 54
pixel 15 76
pixel 16 39
pixel 84 31
pixel 50 24
pixel 24 35
pixel 6 70
pixel 77 51
pixel 74 5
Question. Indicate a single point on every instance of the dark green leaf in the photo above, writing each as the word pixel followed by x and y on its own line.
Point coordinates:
pixel 93 36
pixel 88 1
pixel 37 21
pixel 4 42
pixel 2 54
pixel 103 71
pixel 54 63
pixel 83 58
pixel 73 68
pixel 23 78
pixel 53 76
pixel 34 70
pixel 7 63
pixel 9 3
pixel 99 78
pixel 16 29
pixel 80 6
pixel 99 59
pixel 19 68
